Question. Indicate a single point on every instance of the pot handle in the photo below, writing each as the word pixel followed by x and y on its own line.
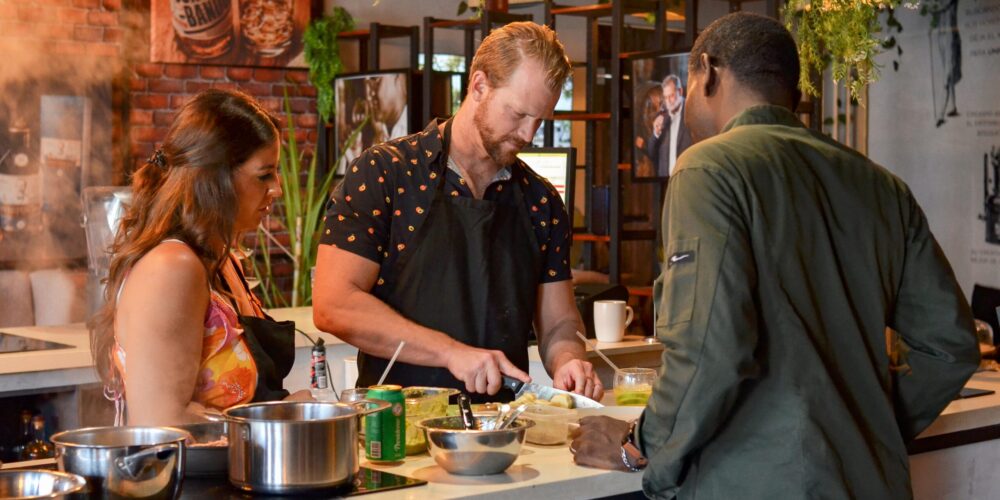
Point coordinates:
pixel 141 463
pixel 362 405
pixel 213 415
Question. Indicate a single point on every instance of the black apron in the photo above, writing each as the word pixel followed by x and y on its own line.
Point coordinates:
pixel 471 271
pixel 271 344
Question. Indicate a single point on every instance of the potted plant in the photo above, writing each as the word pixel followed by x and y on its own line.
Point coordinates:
pixel 306 188
pixel 301 211
pixel 322 54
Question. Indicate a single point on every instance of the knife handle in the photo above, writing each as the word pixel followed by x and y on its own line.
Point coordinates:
pixel 465 409
pixel 512 383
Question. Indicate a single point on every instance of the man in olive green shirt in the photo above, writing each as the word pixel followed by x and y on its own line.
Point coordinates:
pixel 788 256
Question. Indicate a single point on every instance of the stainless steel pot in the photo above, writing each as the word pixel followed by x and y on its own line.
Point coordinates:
pixel 295 446
pixel 25 484
pixel 134 462
pixel 207 451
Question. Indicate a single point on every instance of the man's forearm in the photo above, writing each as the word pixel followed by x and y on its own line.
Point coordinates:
pixel 560 345
pixel 364 321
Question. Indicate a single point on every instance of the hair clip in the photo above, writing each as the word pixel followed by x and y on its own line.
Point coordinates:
pixel 158 159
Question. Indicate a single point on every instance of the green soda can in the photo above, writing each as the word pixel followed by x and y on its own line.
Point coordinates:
pixel 385 431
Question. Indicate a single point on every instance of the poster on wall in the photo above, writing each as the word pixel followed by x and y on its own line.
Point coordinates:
pixel 229 32
pixel 375 105
pixel 660 134
pixel 934 120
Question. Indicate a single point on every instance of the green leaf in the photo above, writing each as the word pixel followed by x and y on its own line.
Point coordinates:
pixel 462 8
pixel 322 54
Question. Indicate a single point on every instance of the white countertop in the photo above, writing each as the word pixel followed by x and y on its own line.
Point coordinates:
pixel 539 472
pixel 78 356
pixel 970 413
pixel 75 362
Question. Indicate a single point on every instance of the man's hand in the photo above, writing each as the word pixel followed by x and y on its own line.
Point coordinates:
pixel 482 370
pixel 578 376
pixel 598 443
pixel 658 125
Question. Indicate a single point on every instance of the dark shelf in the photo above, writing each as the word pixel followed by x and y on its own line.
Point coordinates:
pixel 384 32
pixel 456 23
pixel 638 235
pixel 603 9
pixel 580 116
pixel 640 291
pixel 591 237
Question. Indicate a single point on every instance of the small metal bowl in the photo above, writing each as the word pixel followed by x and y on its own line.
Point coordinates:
pixel 27 483
pixel 473 452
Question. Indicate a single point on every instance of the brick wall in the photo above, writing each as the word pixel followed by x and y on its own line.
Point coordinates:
pixel 158 90
pixel 66 26
pixel 145 95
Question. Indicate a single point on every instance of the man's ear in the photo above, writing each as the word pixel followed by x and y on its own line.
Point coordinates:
pixel 479 85
pixel 711 86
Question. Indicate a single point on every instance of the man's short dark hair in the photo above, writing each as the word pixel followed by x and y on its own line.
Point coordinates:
pixel 758 50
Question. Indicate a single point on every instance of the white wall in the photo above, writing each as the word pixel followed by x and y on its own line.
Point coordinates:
pixel 944 165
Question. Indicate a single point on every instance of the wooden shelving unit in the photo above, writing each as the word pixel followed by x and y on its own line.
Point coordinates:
pixel 470 27
pixel 613 116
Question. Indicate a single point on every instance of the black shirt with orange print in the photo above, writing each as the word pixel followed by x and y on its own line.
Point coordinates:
pixel 388 189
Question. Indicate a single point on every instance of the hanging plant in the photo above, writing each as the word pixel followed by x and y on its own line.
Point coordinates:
pixel 323 56
pixel 843 35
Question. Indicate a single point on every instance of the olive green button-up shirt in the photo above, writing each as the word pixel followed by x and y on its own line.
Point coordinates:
pixel 788 256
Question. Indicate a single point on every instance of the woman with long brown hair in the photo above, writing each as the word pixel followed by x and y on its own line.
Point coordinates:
pixel 180 331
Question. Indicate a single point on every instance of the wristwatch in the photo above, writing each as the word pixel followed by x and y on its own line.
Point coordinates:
pixel 631 455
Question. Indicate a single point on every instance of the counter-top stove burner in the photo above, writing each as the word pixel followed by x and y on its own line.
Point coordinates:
pixel 367 481
pixel 218 487
pixel 16 343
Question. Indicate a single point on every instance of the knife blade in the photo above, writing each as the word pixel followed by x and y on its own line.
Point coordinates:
pixel 546 392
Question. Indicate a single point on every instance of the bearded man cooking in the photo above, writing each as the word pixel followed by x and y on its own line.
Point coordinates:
pixel 446 240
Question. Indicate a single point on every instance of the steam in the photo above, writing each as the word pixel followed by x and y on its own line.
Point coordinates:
pixel 70 95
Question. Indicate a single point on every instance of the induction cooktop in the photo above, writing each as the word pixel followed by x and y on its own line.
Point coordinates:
pixel 367 481
pixel 16 343
pixel 218 487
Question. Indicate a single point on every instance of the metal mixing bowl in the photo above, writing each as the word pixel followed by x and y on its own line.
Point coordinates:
pixel 473 452
pixel 421 403
pixel 39 484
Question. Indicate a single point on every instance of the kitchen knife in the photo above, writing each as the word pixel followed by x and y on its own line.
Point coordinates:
pixel 545 392
pixel 465 409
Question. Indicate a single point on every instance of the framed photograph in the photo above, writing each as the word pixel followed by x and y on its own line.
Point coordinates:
pixel 376 104
pixel 659 134
pixel 235 33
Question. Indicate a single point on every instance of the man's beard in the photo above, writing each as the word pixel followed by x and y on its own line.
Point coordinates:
pixel 493 144
pixel 677 105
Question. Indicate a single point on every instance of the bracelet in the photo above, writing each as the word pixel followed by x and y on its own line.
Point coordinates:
pixel 640 461
pixel 629 450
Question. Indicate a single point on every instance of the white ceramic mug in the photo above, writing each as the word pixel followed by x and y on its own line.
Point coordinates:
pixel 611 317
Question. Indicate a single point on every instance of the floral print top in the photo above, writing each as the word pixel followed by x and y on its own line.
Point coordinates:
pixel 228 374
pixel 388 189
